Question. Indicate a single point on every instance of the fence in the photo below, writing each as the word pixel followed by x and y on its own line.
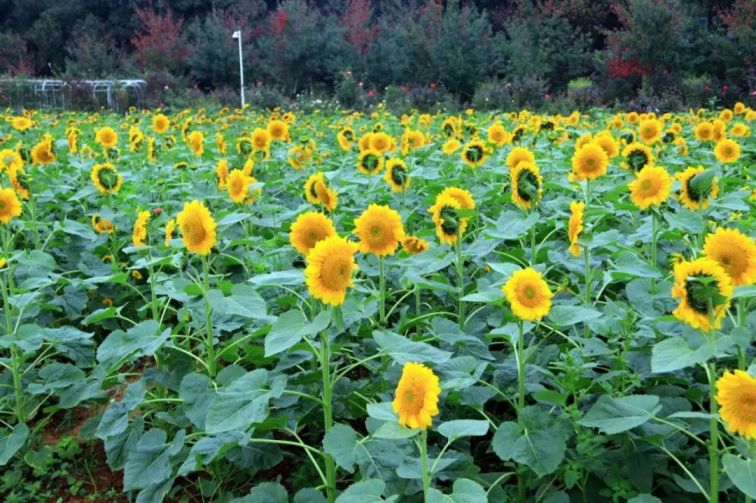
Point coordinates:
pixel 116 95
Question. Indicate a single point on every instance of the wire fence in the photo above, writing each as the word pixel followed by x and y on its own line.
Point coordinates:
pixel 116 95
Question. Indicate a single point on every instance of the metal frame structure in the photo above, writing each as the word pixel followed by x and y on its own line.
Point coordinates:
pixel 53 93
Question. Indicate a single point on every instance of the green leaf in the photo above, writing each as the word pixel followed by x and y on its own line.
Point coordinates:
pixel 629 264
pixel 615 415
pixel 140 340
pixel 675 354
pixel 148 462
pixel 340 443
pixel 244 301
pixel 206 449
pixel 744 292
pixel 289 329
pixel 644 498
pixel 404 350
pixel 268 492
pixel 742 473
pixel 511 225
pixel 394 431
pixel 282 278
pixel 10 444
pixel 365 491
pixel 243 402
pixel 463 491
pixel 309 495
pixel 463 428
pixel 685 220
pixel 570 315
pixel 197 394
pixel 382 411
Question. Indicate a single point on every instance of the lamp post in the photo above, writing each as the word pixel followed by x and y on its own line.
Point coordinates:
pixel 238 37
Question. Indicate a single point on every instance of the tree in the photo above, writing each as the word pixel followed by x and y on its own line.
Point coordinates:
pixel 159 44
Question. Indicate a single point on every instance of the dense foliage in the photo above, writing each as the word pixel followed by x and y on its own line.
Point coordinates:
pixel 244 306
pixel 518 52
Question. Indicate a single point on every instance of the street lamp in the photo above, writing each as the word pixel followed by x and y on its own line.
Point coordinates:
pixel 237 36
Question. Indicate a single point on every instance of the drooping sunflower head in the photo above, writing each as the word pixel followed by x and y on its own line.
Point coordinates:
pixel 698 186
pixel 237 185
pixel 637 156
pixel 102 225
pixel 20 182
pixel 397 175
pixel 650 187
pixel 416 398
pixel 414 245
pixel 528 294
pixel 650 131
pixel 197 227
pixel 345 139
pixel 160 123
pixel 379 229
pixel 527 185
pixel 196 141
pixel 370 162
pixel 10 206
pixel 705 291
pixel 43 153
pixel 220 143
pixel 221 172
pixel 330 265
pixel 278 130
pixel 412 140
pixel 589 162
pixel 727 151
pixel 518 155
pixel 736 396
pixel 308 229
pixel 718 130
pixel 735 252
pixel 170 228
pixel 474 153
pixel 449 224
pixel 139 234
pixel 106 179
pixel 575 226
pixel 311 194
pixel 107 137
pixel 299 155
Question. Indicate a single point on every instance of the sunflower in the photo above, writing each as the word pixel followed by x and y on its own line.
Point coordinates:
pixel 416 399
pixel 197 227
pixel 21 123
pixel 740 130
pixel 575 226
pixel 221 172
pixel 397 175
pixel 650 187
pixel 735 252
pixel 650 131
pixel 160 123
pixel 135 139
pixel 727 151
pixel 606 141
pixel 528 294
pixel 107 137
pixel 464 197
pixel 330 265
pixel 412 140
pixel 704 131
pixel 106 179
pixel 718 130
pixel 42 152
pixel 345 139
pixel 237 185
pixel 278 130
pixel 170 227
pixel 308 229
pixel 583 140
pixel 244 146
pixel 698 187
pixel 474 153
pixel 379 229
pixel 370 162
pixel 736 396
pixel 196 141
pixel 637 156
pixel 450 127
pixel 139 234
pixel 527 185
pixel 102 225
pixel 10 206
pixel 739 108
pixel 414 245
pixel 589 162
pixel 518 155
pixel 381 142
pixel 705 291
pixel 498 135
pixel 260 140
pixel 449 225
pixel 317 192
pixel 220 143
pixel 20 181
pixel 10 159
pixel 450 146
pixel 299 155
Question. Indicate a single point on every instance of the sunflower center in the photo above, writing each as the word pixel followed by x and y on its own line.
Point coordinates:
pixel 398 175
pixel 637 160
pixel 195 232
pixel 702 292
pixel 335 272
pixel 370 162
pixel 450 220
pixel 647 185
pixel 474 153
pixel 413 401
pixel 527 185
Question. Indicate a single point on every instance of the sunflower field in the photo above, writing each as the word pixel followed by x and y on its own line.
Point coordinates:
pixel 331 306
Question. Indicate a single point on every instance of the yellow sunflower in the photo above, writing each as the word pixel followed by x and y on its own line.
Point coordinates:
pixel 381 142
pixel 735 252
pixel 464 197
pixel 650 131
pixel 299 156
pixel 196 141
pixel 220 143
pixel 450 146
pixel 698 187
pixel 379 229
pixel 518 155
pixel 237 185
pixel 449 225
pixel 650 187
pixel 740 130
pixel 107 137
pixel 528 294
pixel 106 179
pixel 527 185
pixel 412 140
pixel 102 225
pixel 221 172
pixel 330 265
pixel 42 152
pixel 10 159
pixel 637 156
pixel 589 162
pixel 308 229
pixel 397 175
pixel 498 135
pixel 139 234
pixel 606 141
pixel 414 245
pixel 345 139
pixel 727 151
pixel 278 130
pixel 20 182
pixel 261 140
pixel 474 153
pixel 318 192
pixel 575 226
pixel 197 228
pixel 160 123
pixel 705 291
pixel 416 398
pixel 736 396
pixel 21 123
pixel 10 206
pixel 704 131
pixel 370 162
pixel 170 227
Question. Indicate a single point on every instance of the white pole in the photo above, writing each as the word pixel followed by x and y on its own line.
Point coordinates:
pixel 237 36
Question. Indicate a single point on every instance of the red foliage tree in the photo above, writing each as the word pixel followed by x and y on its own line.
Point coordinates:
pixel 356 20
pixel 159 45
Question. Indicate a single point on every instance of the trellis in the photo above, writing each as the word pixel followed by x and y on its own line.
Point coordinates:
pixel 56 93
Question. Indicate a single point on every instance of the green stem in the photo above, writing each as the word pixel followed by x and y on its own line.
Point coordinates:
pixel 15 363
pixel 423 445
pixel 711 372
pixel 653 239
pixel 532 245
pixel 460 281
pixel 520 357
pixel 382 292
pixel 210 346
pixel 325 365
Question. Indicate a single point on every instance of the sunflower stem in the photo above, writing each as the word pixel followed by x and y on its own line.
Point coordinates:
pixel 741 319
pixel 423 445
pixel 381 292
pixel 520 357
pixel 325 366
pixel 15 364
pixel 532 245
pixel 711 372
pixel 460 281
pixel 654 231
pixel 210 347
